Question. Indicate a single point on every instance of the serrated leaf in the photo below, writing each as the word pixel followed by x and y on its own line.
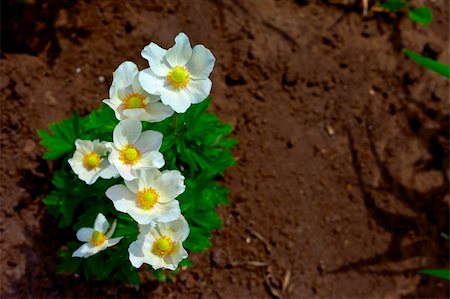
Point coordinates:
pixel 429 63
pixel 60 138
pixel 199 239
pixel 421 15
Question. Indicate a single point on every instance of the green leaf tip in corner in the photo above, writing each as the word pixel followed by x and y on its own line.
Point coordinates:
pixel 393 5
pixel 421 15
pixel 429 63
pixel 438 273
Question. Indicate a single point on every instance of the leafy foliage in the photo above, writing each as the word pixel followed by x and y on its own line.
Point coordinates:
pixel 439 273
pixel 196 143
pixel 429 63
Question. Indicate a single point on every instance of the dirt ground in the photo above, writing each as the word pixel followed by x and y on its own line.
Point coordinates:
pixel 341 188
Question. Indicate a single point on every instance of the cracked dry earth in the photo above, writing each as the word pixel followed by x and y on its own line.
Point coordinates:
pixel 341 187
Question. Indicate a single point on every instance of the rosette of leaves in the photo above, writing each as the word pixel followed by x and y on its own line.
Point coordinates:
pixel 196 143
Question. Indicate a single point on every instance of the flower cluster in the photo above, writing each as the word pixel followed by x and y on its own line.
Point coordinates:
pixel 175 79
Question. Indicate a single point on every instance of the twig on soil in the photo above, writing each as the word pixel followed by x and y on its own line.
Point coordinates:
pixel 249 263
pixel 286 281
pixel 261 238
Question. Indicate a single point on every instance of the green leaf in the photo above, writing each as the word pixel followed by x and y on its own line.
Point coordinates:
pixel 439 273
pixel 393 5
pixel 429 63
pixel 421 15
pixel 100 123
pixel 199 239
pixel 60 138
pixel 160 275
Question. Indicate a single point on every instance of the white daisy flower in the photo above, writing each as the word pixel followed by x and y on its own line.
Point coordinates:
pixel 97 239
pixel 151 197
pixel 129 100
pixel 89 161
pixel 132 149
pixel 179 75
pixel 160 245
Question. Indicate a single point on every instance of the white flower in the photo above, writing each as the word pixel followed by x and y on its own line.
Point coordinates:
pixel 133 149
pixel 160 245
pixel 89 161
pixel 151 197
pixel 179 75
pixel 129 100
pixel 97 239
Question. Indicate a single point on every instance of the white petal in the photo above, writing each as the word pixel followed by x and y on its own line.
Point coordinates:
pixel 136 255
pixel 167 212
pixel 181 52
pixel 113 241
pixel 157 112
pixel 198 90
pixel 88 176
pixel 177 100
pixel 153 98
pixel 124 74
pixel 133 185
pixel 201 63
pixel 141 216
pixel 84 146
pixel 136 113
pixel 84 234
pixel 181 227
pixel 170 184
pixel 137 86
pixel 126 171
pixel 150 81
pixel 155 56
pixel 108 171
pixel 149 141
pixel 122 198
pixel 111 229
pixel 101 224
pixel 82 250
pixel 149 160
pixel 148 177
pixel 95 249
pixel 114 107
pixel 126 132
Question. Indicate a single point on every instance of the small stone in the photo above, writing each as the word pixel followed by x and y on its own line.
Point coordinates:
pixel 330 130
pixel 78 70
pixel 101 79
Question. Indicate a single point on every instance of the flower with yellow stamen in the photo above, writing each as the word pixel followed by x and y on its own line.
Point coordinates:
pixel 133 150
pixel 129 100
pixel 97 238
pixel 160 245
pixel 179 75
pixel 89 161
pixel 151 197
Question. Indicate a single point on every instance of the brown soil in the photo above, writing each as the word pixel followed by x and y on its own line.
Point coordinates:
pixel 341 188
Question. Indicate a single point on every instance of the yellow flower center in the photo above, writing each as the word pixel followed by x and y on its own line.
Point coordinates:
pixel 162 246
pixel 91 160
pixel 130 155
pixel 178 77
pixel 134 100
pixel 147 198
pixel 97 238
